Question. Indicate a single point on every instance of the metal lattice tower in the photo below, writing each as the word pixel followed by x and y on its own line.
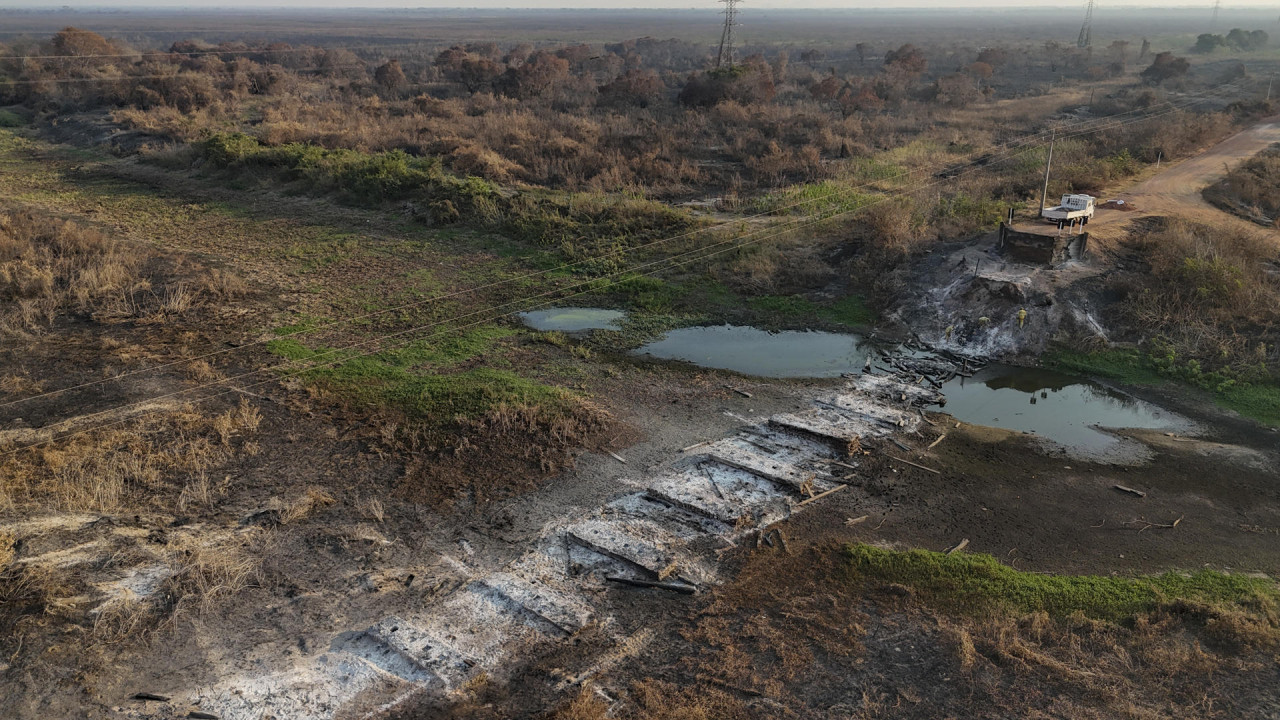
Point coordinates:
pixel 1217 8
pixel 1086 30
pixel 725 58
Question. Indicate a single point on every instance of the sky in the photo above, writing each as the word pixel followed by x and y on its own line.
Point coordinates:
pixel 198 5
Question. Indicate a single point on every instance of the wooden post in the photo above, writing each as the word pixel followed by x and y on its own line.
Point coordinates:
pixel 1044 193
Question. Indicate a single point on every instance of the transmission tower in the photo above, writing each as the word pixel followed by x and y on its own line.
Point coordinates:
pixel 1217 7
pixel 725 58
pixel 1086 30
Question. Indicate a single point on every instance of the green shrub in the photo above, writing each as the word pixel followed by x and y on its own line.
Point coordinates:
pixel 579 225
pixel 229 149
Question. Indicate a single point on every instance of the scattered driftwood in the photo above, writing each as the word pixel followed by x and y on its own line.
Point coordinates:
pixel 926 418
pixel 934 444
pixel 695 446
pixel 635 582
pixel 617 457
pixel 901 446
pixel 958 547
pixel 743 393
pixel 850 522
pixel 821 495
pixel 915 465
pixel 150 696
pixel 1161 526
pixel 847 466
pixel 806 487
pixel 201 715
pixel 1131 491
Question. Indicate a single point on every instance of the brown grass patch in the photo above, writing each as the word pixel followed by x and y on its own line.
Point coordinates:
pixel 144 464
pixel 207 571
pixel 51 268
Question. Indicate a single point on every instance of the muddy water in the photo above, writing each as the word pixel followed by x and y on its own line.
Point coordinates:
pixel 748 350
pixel 1065 409
pixel 572 319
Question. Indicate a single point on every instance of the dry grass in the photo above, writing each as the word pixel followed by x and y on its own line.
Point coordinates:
pixel 1251 190
pixel 299 508
pixel 371 509
pixel 123 617
pixel 132 466
pixel 20 384
pixel 206 571
pixel 586 706
pixel 6 549
pixel 51 268
pixel 1212 297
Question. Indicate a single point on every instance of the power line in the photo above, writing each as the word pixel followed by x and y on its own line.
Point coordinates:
pixel 590 285
pixel 773 211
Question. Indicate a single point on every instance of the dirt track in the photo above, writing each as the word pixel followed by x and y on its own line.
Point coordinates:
pixel 1176 189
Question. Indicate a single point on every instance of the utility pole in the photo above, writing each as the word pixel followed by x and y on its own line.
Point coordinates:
pixel 1086 31
pixel 1270 80
pixel 1044 193
pixel 1217 7
pixel 725 58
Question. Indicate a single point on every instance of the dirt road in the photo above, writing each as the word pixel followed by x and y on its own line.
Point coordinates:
pixel 1176 189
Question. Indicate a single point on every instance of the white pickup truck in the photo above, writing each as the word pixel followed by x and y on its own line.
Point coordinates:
pixel 1073 207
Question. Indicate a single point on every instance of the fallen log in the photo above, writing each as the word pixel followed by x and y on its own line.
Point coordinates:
pixel 934 444
pixel 617 457
pixel 958 547
pixel 150 696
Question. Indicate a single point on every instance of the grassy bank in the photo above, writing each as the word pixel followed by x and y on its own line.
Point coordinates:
pixel 980 584
pixel 1257 400
pixel 433 382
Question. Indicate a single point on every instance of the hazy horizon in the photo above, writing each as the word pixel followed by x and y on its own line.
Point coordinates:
pixel 100 5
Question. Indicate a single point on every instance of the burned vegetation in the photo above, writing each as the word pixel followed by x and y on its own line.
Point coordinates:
pixel 278 434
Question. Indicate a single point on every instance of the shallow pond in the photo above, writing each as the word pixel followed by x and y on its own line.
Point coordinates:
pixel 572 319
pixel 748 350
pixel 1062 408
